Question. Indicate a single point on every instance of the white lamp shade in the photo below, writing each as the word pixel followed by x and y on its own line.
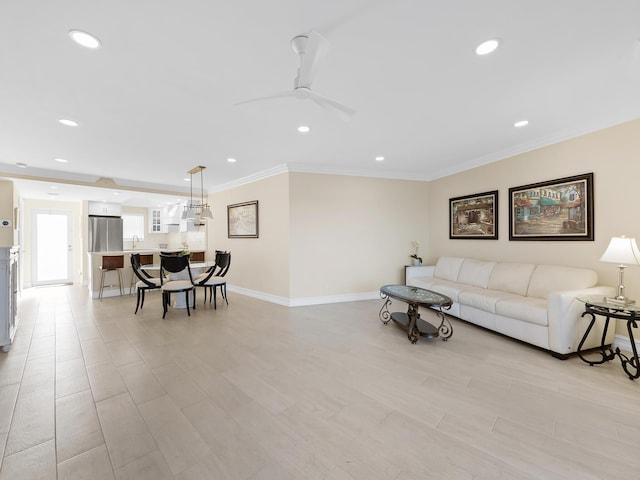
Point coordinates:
pixel 622 250
pixel 206 213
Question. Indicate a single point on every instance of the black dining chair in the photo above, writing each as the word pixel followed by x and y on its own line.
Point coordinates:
pixel 214 278
pixel 141 259
pixel 145 280
pixel 170 265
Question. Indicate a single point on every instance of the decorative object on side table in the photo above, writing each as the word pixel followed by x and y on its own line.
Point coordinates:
pixel 417 260
pixel 621 250
pixel 595 306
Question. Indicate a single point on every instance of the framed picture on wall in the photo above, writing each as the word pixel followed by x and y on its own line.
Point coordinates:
pixel 474 216
pixel 242 220
pixel 560 209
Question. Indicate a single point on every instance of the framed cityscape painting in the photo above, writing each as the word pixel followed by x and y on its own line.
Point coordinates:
pixel 559 209
pixel 242 220
pixel 474 216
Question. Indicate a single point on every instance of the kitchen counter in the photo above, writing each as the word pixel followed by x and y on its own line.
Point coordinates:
pixel 137 250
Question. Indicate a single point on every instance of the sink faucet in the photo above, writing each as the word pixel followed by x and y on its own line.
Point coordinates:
pixel 134 239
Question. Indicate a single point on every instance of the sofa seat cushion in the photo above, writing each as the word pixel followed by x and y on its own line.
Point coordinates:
pixel 527 309
pixel 484 299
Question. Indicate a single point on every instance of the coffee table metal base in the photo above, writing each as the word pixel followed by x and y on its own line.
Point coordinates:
pixel 415 326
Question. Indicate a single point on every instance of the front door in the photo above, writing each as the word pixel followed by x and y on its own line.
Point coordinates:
pixel 52 258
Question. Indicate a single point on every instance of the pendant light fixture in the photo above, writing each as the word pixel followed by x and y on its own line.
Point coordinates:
pixel 193 210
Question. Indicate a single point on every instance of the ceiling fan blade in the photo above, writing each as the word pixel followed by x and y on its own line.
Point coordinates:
pixel 288 93
pixel 342 111
pixel 316 48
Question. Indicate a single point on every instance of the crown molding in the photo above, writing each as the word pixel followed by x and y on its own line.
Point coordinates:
pixel 526 147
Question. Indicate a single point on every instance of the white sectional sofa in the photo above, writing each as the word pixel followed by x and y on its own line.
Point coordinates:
pixel 533 303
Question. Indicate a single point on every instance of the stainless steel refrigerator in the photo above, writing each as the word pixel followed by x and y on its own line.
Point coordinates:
pixel 105 234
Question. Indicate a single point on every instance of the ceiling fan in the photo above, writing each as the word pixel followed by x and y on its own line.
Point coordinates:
pixel 311 48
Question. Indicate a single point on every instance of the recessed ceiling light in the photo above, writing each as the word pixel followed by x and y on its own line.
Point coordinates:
pixel 521 123
pixel 85 39
pixel 231 160
pixel 187 179
pixel 53 187
pixel 485 48
pixel 116 193
pixel 21 165
pixel 304 129
pixel 61 160
pixel 67 122
pixel 379 159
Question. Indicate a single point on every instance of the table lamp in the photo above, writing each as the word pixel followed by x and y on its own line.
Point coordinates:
pixel 621 250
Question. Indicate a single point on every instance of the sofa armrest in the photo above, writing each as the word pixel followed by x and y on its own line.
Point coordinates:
pixel 422 271
pixel 563 313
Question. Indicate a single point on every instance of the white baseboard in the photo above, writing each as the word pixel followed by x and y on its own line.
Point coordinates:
pixel 623 343
pixel 301 302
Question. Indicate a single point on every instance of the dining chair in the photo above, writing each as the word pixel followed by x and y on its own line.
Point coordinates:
pixel 214 278
pixel 170 266
pixel 141 259
pixel 145 281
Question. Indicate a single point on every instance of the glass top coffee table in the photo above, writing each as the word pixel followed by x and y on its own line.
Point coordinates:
pixel 416 297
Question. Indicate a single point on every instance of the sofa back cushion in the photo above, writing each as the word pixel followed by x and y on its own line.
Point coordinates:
pixel 511 277
pixel 448 268
pixel 550 278
pixel 475 272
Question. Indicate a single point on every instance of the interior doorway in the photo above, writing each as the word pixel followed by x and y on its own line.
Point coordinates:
pixel 52 258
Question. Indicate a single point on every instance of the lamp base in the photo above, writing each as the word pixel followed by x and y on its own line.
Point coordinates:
pixel 619 300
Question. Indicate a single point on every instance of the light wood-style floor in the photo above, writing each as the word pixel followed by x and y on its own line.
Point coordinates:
pixel 259 391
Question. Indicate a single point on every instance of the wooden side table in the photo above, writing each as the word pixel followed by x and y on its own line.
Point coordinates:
pixel 597 306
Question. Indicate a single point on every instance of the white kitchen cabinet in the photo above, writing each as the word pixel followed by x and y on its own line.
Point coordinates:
pixel 156 221
pixel 105 208
pixel 8 295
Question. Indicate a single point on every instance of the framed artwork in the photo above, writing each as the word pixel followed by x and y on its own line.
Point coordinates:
pixel 559 209
pixel 474 216
pixel 242 220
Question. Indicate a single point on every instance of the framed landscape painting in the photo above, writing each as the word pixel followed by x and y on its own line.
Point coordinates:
pixel 474 216
pixel 242 220
pixel 559 209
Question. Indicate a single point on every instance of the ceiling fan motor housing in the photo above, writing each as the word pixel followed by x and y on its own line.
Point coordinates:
pixel 299 43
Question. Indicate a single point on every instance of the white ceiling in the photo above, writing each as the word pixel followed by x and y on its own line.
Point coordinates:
pixel 158 98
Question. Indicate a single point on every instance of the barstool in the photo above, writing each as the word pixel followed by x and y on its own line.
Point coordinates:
pixel 111 263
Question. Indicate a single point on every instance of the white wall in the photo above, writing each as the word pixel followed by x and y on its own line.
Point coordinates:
pixel 8 235
pixel 612 155
pixel 257 264
pixel 322 237
pixel 350 235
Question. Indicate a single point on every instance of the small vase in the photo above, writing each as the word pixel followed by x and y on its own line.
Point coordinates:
pixel 416 262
